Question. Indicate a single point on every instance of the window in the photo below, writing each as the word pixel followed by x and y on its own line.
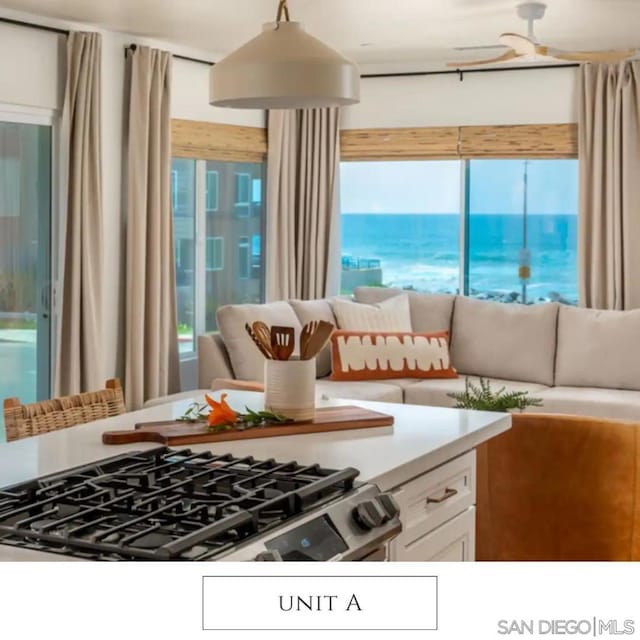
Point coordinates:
pixel 212 190
pixel 25 256
pixel 206 225
pixel 511 238
pixel 215 253
pixel 522 230
pixel 182 188
pixel 401 224
pixel 243 194
pixel 244 258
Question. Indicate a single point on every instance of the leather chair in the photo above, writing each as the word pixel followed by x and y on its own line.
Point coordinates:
pixel 558 487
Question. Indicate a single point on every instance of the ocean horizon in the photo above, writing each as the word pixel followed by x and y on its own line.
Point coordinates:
pixel 422 251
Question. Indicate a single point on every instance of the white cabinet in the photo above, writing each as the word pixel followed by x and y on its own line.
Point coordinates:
pixel 437 511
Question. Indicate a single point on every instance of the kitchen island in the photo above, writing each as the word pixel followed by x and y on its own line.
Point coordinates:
pixel 426 460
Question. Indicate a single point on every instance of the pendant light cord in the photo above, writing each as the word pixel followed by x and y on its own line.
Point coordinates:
pixel 283 9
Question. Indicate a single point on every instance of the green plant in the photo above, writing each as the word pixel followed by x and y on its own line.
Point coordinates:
pixel 483 398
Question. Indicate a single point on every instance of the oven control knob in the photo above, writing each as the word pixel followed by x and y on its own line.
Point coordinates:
pixel 269 556
pixel 369 515
pixel 389 506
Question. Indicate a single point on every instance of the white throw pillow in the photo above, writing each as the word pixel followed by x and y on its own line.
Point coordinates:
pixel 246 359
pixel 389 315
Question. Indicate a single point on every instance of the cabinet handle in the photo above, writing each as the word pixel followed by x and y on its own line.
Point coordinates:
pixel 448 493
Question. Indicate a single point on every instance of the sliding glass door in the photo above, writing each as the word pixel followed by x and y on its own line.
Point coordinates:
pixel 25 259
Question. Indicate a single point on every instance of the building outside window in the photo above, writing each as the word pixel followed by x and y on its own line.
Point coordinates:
pixel 244 257
pixel 218 251
pixel 212 190
pixel 243 194
pixel 215 253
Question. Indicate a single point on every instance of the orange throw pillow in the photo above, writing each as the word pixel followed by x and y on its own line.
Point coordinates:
pixel 382 355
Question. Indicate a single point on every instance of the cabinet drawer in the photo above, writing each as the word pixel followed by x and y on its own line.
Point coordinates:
pixel 435 497
pixel 454 541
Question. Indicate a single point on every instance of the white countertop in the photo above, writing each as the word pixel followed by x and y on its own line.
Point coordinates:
pixel 420 439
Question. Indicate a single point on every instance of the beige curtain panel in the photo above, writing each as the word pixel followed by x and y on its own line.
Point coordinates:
pixel 79 345
pixel 609 159
pixel 151 349
pixel 303 213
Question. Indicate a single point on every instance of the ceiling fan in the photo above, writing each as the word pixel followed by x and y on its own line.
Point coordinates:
pixel 528 49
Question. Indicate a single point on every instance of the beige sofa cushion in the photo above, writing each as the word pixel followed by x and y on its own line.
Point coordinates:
pixel 507 341
pixel 388 315
pixel 429 311
pixel 374 391
pixel 598 348
pixel 616 404
pixel 246 359
pixel 308 310
pixel 434 392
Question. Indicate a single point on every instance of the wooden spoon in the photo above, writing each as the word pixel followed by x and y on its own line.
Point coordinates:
pixel 282 342
pixel 307 331
pixel 319 339
pixel 263 333
pixel 264 350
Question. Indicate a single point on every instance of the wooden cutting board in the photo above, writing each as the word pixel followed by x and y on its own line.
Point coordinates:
pixel 172 433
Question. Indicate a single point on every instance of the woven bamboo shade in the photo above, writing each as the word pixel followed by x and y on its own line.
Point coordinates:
pixel 508 141
pixel 403 143
pixel 212 141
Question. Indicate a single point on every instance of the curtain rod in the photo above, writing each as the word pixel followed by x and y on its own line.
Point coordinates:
pixel 34 25
pixel 403 74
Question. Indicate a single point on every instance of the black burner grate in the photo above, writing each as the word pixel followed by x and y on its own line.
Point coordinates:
pixel 162 504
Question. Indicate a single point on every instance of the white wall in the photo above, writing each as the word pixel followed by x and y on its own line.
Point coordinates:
pixel 30 67
pixel 544 96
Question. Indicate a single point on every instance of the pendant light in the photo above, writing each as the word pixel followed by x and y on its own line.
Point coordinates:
pixel 284 68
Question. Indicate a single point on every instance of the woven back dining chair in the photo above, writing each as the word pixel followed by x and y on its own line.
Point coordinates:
pixel 24 420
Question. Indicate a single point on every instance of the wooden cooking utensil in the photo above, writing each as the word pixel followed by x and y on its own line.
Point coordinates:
pixel 265 350
pixel 319 339
pixel 282 342
pixel 263 333
pixel 307 331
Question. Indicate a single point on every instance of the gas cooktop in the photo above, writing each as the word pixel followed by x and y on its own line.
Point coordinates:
pixel 165 504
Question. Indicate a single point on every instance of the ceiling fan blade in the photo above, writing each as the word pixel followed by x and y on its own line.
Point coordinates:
pixel 508 55
pixel 520 44
pixel 613 55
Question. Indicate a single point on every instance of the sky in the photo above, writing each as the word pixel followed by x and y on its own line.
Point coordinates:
pixel 434 186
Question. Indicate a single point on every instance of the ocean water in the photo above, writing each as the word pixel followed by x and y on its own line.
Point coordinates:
pixel 422 251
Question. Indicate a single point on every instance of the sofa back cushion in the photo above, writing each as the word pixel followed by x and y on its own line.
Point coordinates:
pixel 308 310
pixel 598 348
pixel 429 311
pixel 246 359
pixel 508 341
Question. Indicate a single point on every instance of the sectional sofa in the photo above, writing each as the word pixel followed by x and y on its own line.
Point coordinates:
pixel 578 361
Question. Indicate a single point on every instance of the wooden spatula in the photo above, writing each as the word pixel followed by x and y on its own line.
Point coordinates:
pixel 319 339
pixel 307 331
pixel 282 342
